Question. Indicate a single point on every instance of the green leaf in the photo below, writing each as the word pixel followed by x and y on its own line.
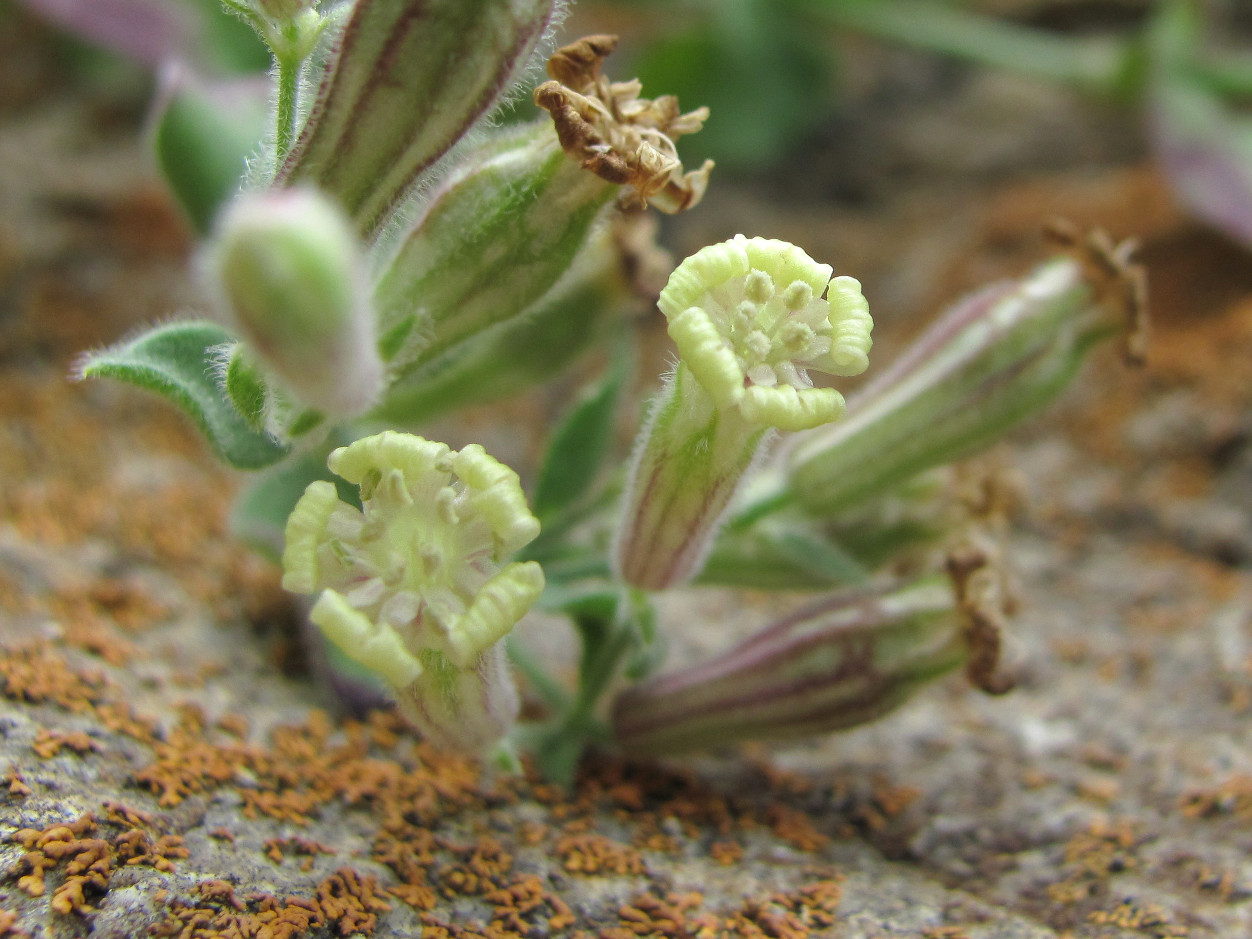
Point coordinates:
pixel 178 361
pixel 762 71
pixel 260 512
pixel 202 146
pixel 580 447
pixel 246 389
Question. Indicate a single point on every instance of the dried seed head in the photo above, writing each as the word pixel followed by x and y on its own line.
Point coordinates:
pixel 617 135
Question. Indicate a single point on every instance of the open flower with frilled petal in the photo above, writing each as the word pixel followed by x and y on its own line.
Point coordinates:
pixel 750 320
pixel 414 584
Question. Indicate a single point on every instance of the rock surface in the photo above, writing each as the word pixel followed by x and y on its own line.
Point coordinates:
pixel 167 767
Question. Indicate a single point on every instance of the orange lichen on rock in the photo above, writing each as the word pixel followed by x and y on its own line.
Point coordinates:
pixel 794 827
pixel 346 901
pixel 524 902
pixel 220 914
pixel 1131 915
pixel 477 870
pixel 86 861
pixel 784 915
pixel 8 926
pixel 597 854
pixel 307 848
pixel 351 902
pixel 648 915
pixel 791 915
pixel 15 785
pixel 1233 797
pixel 138 847
pixel 1091 857
pixel 33 673
pixel 48 743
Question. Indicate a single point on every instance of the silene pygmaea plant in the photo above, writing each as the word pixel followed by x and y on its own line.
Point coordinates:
pixel 387 253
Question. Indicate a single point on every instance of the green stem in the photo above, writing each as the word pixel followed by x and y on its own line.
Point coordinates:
pixel 600 668
pixel 1229 74
pixel 548 688
pixel 767 503
pixel 285 117
pixel 560 743
pixel 1098 65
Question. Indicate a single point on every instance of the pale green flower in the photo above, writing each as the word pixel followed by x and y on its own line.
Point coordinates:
pixel 415 584
pixel 750 320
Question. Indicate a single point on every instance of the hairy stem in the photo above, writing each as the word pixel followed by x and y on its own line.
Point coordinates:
pixel 285 112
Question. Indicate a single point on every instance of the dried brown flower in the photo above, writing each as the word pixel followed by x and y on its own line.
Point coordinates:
pixel 1111 267
pixel 982 601
pixel 613 132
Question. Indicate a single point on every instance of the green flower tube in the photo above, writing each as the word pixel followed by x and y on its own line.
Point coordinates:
pixel 506 228
pixel 844 660
pixel 415 585
pixel 837 663
pixel 994 359
pixel 496 236
pixel 406 81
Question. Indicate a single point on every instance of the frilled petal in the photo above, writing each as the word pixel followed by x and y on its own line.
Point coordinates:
pixel 306 532
pixel 701 346
pixel 374 645
pixel 501 602
pixel 788 408
pixel 749 320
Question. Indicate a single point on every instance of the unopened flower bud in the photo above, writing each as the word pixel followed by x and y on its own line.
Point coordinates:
pixel 288 273
pixel 840 662
pixel 750 318
pixel 991 361
pixel 415 585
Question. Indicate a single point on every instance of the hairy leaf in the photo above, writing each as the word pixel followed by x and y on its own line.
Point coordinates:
pixel 178 361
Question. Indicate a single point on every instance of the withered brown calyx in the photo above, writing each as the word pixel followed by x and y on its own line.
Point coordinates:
pixel 619 136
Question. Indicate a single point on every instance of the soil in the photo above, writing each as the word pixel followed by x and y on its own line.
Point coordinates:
pixel 167 766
